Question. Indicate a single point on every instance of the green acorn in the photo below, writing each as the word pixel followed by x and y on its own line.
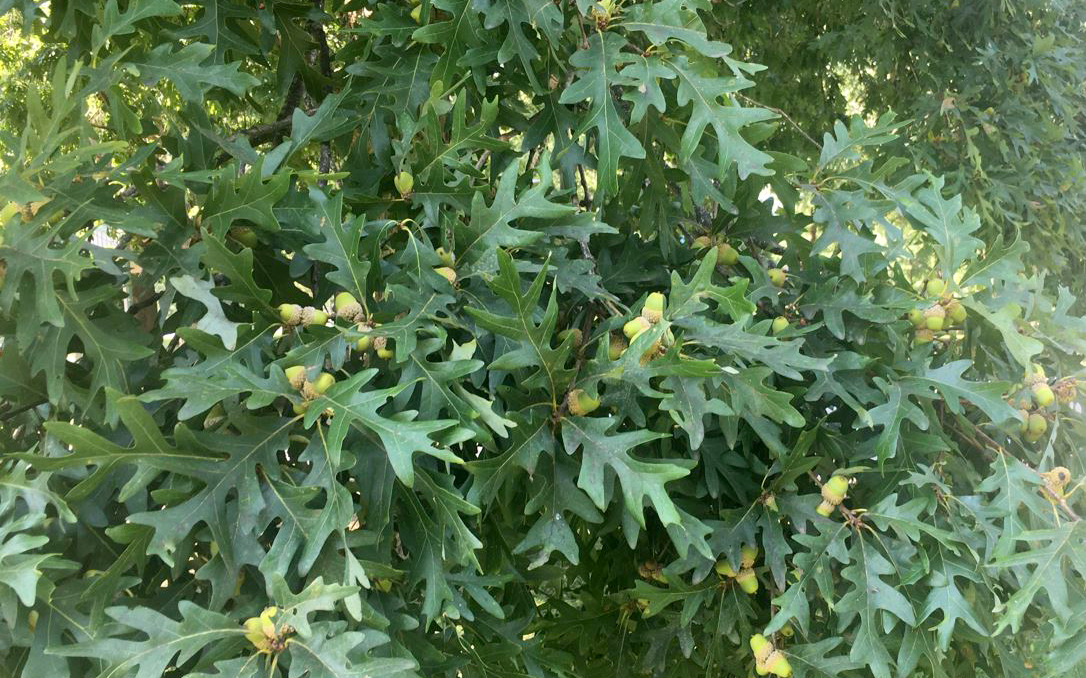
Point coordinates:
pixel 654 307
pixel 777 277
pixel 724 568
pixel 747 581
pixel 703 242
pixel 761 647
pixel 936 287
pixel 313 316
pixel 290 314
pixel 924 336
pixel 380 347
pixel 300 408
pixel 446 273
pixel 363 344
pixel 780 324
pixel 1037 425
pixel 748 554
pixel 726 254
pixel 245 236
pixel 778 665
pixel 916 317
pixel 446 257
pixel 296 376
pixel 835 489
pixel 571 332
pixel 934 318
pixel 635 327
pixel 323 382
pixel 416 14
pixel 616 346
pixel 1042 393
pixel 347 307
pixel 404 182
pixel 956 312
pixel 580 403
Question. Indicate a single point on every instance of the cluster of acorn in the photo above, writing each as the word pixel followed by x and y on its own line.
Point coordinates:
pixel 745 577
pixel 729 256
pixel 1039 393
pixel 262 633
pixel 310 390
pixel 944 313
pixel 767 658
pixel 833 493
pixel 651 313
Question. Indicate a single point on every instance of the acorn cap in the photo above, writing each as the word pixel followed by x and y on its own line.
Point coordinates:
pixel 747 580
pixel 580 403
pixel 295 375
pixel 654 307
pixel 748 554
pixel 290 314
pixel 778 665
pixel 616 345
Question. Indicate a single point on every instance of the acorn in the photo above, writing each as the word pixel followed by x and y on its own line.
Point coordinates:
pixel 728 255
pixel 363 344
pixel 956 312
pixel 313 316
pixel 747 580
pixel 446 257
pixel 385 353
pixel 1066 390
pixel 916 317
pixel 761 647
pixel 404 182
pixel 777 277
pixel 290 314
pixel 382 584
pixel 300 408
pixel 780 324
pixel 380 346
pixel 296 376
pixel 615 346
pixel 724 568
pixel 934 317
pixel 416 14
pixel 835 489
pixel 580 403
pixel 1037 425
pixel 1023 415
pixel 778 665
pixel 654 307
pixel 703 242
pixel 635 327
pixel 924 336
pixel 347 307
pixel 748 554
pixel 1042 393
pixel 245 236
pixel 936 286
pixel 446 273
pixel 323 382
pixel 571 332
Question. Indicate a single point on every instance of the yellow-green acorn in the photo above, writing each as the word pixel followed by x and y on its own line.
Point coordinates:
pixel 748 554
pixel 724 568
pixel 916 317
pixel 446 257
pixel 364 344
pixel 580 403
pixel 405 183
pixel 385 353
pixel 616 345
pixel 703 242
pixel 761 647
pixel 347 307
pixel 835 489
pixel 296 376
pixel 1042 393
pixel 290 314
pixel 654 307
pixel 1023 415
pixel 934 317
pixel 728 255
pixel 777 277
pixel 747 580
pixel 1037 424
pixel 635 327
pixel 780 324
pixel 936 286
pixel 446 273
pixel 313 316
pixel 778 665
pixel 380 346
pixel 323 382
pixel 924 336
pixel 300 408
pixel 956 312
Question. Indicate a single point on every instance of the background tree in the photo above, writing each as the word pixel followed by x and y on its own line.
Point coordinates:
pixel 509 338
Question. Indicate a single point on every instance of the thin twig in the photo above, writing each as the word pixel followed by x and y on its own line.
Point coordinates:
pixel 782 114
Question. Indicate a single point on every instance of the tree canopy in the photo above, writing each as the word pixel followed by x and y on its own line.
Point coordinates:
pixel 531 338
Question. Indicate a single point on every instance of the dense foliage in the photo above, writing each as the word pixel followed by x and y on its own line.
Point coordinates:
pixel 994 90
pixel 507 338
